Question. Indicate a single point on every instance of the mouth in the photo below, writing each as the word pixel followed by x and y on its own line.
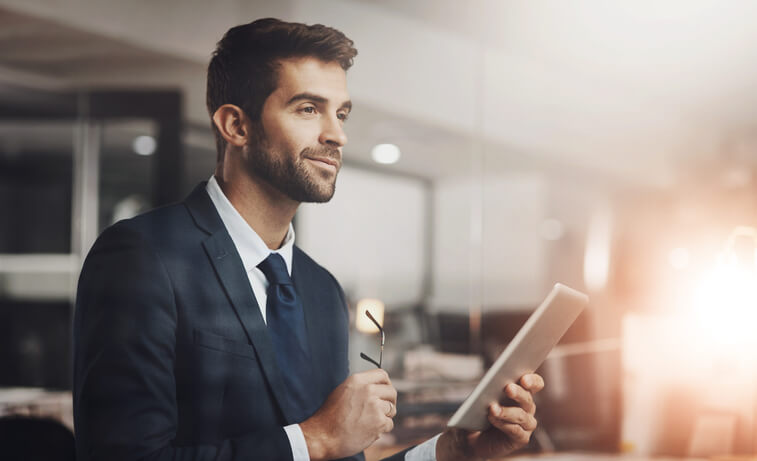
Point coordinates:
pixel 325 162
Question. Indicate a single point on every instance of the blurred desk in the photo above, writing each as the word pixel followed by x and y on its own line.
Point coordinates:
pixel 425 406
pixel 587 456
pixel 37 402
pixel 376 453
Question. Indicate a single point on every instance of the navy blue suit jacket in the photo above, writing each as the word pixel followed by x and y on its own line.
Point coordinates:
pixel 172 358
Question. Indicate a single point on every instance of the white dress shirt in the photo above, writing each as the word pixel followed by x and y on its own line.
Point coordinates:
pixel 253 251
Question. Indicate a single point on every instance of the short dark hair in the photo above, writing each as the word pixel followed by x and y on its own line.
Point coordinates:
pixel 243 69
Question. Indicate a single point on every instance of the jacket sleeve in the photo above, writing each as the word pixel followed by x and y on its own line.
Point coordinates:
pixel 124 353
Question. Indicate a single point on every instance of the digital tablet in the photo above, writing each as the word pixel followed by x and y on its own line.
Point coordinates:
pixel 523 355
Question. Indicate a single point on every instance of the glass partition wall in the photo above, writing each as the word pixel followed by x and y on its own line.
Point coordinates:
pixel 70 164
pixel 39 259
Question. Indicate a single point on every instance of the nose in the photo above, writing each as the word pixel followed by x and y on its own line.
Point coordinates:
pixel 332 132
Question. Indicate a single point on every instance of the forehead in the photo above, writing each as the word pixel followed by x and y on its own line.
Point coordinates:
pixel 311 75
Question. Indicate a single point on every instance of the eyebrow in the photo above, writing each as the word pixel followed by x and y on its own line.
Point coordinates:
pixel 316 98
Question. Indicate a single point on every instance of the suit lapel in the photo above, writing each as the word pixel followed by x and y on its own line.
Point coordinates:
pixel 231 274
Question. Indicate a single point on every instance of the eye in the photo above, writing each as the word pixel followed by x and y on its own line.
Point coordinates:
pixel 308 109
pixel 343 116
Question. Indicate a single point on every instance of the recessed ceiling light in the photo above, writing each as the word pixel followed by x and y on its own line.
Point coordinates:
pixel 144 145
pixel 385 153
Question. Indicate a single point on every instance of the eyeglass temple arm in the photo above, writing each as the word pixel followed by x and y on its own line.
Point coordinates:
pixel 365 357
pixel 383 337
pixel 381 329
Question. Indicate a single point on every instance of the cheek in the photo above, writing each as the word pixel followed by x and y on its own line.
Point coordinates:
pixel 296 135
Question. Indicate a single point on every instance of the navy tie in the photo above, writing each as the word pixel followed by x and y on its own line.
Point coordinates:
pixel 286 325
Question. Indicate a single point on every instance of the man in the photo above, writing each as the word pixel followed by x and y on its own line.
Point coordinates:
pixel 202 332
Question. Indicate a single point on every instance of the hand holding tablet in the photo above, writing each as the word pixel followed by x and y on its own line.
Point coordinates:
pixel 522 356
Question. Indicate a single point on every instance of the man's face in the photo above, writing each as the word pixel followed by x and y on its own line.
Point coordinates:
pixel 299 148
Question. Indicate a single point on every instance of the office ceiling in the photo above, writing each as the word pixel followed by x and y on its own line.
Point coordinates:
pixel 642 93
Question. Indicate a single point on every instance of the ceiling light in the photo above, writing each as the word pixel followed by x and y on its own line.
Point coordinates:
pixel 385 154
pixel 144 145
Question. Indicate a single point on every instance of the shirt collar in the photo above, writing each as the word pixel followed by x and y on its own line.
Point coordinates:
pixel 252 249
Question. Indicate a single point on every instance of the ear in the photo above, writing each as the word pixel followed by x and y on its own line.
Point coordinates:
pixel 233 124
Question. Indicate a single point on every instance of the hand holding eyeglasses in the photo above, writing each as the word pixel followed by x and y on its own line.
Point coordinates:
pixel 355 414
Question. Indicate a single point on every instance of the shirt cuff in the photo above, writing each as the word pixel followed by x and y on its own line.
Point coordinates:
pixel 423 452
pixel 297 442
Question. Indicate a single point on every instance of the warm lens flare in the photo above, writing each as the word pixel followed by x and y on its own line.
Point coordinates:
pixel 725 303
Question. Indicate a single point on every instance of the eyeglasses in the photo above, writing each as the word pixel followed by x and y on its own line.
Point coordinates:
pixel 381 354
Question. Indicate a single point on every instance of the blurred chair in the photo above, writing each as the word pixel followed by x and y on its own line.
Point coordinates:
pixel 35 439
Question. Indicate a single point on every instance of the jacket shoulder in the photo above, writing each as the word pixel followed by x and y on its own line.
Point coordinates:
pixel 158 227
pixel 306 262
pixel 320 274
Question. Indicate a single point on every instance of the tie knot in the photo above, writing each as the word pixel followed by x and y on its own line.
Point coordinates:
pixel 275 270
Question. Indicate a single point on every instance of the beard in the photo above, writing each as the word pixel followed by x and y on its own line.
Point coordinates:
pixel 289 172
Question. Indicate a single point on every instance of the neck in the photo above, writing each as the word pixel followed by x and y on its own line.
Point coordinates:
pixel 266 210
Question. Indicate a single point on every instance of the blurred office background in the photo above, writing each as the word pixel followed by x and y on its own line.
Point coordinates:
pixel 496 147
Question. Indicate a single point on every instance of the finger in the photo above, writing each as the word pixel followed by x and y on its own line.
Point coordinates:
pixel 375 376
pixel 532 382
pixel 388 425
pixel 392 411
pixel 513 432
pixel 382 408
pixel 512 415
pixel 384 392
pixel 521 396
pixel 386 408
